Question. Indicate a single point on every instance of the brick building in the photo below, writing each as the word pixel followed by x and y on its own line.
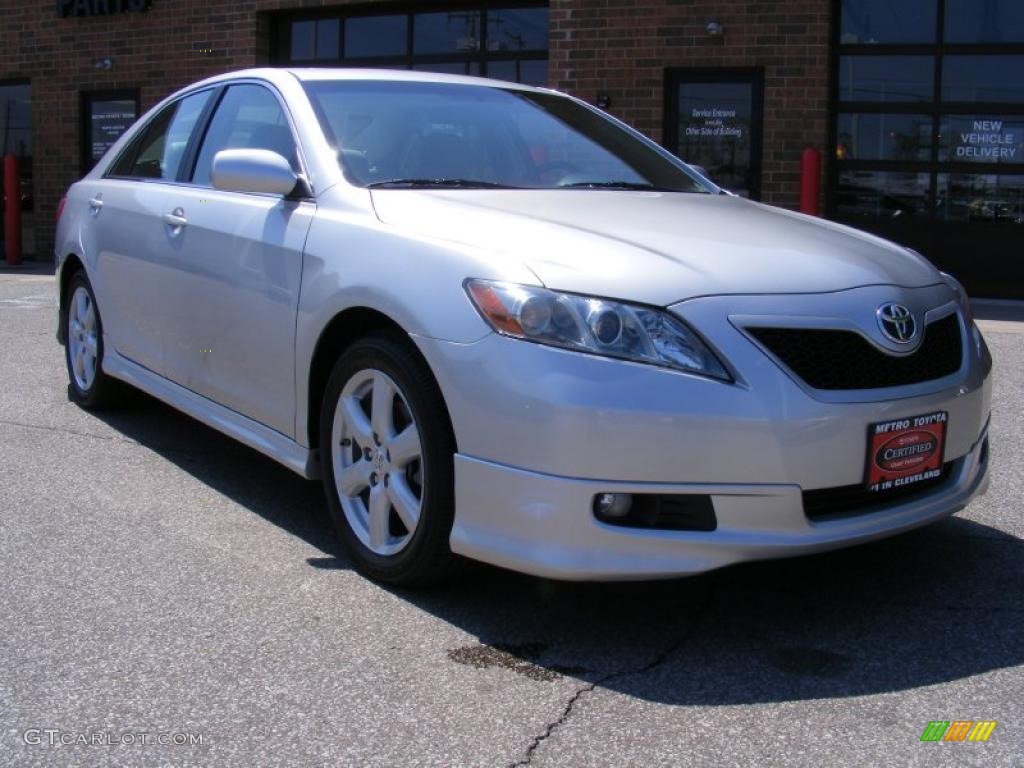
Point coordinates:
pixel 917 106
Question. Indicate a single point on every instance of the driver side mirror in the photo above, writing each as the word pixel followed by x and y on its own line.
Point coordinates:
pixel 252 170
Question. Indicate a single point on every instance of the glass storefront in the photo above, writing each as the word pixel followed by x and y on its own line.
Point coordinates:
pixel 508 43
pixel 929 132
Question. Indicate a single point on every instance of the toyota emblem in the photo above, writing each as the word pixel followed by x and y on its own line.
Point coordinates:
pixel 897 323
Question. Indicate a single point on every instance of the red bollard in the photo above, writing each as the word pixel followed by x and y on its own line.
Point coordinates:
pixel 810 182
pixel 12 210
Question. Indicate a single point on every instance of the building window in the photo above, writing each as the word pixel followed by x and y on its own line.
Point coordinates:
pixel 106 115
pixel 374 36
pixel 16 139
pixel 16 130
pixel 886 78
pixel 919 97
pixel 507 43
pixel 883 136
pixel 713 120
pixel 985 197
pixel 929 123
pixel 888 21
pixel 989 79
pixel 446 32
pixel 984 21
pixel 882 194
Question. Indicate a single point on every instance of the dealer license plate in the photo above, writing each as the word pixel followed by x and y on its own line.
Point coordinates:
pixel 903 452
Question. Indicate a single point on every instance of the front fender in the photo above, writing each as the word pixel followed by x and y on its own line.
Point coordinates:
pixel 353 260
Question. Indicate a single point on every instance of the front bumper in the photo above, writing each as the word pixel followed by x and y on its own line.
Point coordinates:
pixel 543 524
pixel 541 431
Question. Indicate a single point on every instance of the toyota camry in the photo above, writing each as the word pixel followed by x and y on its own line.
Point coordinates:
pixel 499 323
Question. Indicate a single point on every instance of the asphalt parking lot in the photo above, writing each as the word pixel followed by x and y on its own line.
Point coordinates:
pixel 159 580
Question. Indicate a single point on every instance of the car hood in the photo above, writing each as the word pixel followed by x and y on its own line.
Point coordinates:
pixel 655 247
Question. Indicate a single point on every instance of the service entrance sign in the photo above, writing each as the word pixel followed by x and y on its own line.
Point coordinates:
pixel 106 115
pixel 713 120
pixel 100 7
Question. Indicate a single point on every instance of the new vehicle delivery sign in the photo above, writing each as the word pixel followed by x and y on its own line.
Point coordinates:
pixel 905 451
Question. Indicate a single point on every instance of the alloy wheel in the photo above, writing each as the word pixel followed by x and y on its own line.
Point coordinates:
pixel 82 338
pixel 377 459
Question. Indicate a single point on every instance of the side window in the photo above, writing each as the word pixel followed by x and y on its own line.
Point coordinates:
pixel 125 161
pixel 146 161
pixel 248 117
pixel 163 145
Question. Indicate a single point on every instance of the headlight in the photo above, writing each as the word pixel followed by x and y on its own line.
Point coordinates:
pixel 961 296
pixel 595 326
pixel 973 332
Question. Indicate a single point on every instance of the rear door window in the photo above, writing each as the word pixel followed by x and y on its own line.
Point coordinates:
pixel 166 138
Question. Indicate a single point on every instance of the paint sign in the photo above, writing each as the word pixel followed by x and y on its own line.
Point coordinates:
pixel 100 7
pixel 986 140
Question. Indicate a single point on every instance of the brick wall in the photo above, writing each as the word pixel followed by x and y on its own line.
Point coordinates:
pixel 157 52
pixel 620 47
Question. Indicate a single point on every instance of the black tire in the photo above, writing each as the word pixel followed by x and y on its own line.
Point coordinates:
pixel 427 558
pixel 103 392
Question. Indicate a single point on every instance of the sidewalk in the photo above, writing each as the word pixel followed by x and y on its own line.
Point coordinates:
pixel 999 316
pixel 27 268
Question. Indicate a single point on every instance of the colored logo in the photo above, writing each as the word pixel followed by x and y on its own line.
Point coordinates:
pixel 897 323
pixel 958 730
pixel 906 451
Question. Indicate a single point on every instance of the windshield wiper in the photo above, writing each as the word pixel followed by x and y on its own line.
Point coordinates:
pixel 442 182
pixel 631 185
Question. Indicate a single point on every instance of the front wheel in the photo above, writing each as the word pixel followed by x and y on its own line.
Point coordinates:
pixel 386 453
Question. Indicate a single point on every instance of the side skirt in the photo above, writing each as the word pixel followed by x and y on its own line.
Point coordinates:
pixel 243 429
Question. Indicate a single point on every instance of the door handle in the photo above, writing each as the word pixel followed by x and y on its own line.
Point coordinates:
pixel 176 219
pixel 96 203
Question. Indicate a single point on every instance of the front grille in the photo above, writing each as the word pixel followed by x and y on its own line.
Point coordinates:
pixel 832 359
pixel 850 500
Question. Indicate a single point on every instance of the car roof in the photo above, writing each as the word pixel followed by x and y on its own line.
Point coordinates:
pixel 320 74
pixel 404 75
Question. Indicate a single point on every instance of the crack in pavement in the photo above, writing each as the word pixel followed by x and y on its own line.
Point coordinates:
pixel 659 659
pixel 112 438
pixel 65 430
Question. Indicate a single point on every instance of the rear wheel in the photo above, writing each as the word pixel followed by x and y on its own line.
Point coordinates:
pixel 89 386
pixel 386 452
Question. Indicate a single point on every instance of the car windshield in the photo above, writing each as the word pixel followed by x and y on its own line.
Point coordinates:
pixel 416 134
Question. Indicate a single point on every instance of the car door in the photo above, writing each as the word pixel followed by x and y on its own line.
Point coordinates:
pixel 235 270
pixel 128 235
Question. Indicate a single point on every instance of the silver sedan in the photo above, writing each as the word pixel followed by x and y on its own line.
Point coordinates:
pixel 499 323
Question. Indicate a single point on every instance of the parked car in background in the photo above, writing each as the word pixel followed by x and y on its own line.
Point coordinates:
pixel 499 323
